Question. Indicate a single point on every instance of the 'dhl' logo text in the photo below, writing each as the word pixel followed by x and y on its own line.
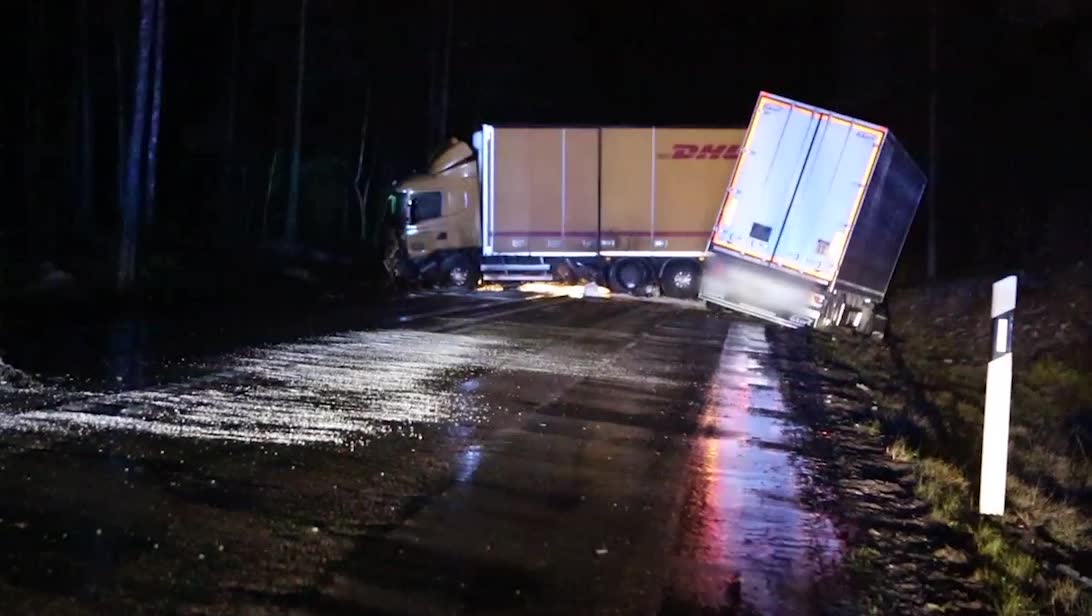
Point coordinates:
pixel 702 152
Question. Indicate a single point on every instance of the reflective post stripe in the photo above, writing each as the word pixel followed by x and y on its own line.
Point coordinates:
pixel 995 426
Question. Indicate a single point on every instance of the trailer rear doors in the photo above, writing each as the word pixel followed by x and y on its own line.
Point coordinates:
pixel 797 188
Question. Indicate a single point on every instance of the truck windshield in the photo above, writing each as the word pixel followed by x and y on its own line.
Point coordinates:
pixel 423 206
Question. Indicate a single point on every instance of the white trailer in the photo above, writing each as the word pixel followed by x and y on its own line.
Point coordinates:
pixel 814 218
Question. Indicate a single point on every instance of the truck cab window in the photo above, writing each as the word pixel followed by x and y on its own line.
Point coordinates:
pixel 425 206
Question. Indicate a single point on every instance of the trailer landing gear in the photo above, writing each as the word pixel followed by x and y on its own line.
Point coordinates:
pixel 848 311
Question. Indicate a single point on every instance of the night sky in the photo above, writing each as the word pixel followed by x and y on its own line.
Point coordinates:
pixel 1014 85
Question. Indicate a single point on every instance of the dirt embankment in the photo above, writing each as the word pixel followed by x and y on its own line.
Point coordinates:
pixel 901 558
pixel 908 442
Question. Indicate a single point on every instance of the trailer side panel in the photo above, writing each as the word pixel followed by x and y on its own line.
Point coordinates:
pixel 627 189
pixel 544 190
pixel 692 170
pixel 649 192
pixel 889 207
pixel 579 210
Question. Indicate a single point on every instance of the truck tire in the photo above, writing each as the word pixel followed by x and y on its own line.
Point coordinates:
pixel 630 275
pixel 681 280
pixel 460 272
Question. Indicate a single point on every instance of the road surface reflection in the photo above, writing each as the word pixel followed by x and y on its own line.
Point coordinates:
pixel 748 545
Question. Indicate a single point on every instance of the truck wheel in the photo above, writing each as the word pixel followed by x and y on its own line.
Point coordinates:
pixel 630 275
pixel 681 280
pixel 459 271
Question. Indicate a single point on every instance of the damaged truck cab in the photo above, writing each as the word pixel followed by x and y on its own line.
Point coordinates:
pixel 441 218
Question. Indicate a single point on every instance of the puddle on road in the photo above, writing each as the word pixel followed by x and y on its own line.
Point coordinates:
pixel 748 545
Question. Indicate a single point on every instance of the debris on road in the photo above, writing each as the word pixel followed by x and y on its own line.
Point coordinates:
pixel 594 290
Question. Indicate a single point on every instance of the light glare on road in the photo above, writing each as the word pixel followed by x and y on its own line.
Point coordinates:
pixel 577 291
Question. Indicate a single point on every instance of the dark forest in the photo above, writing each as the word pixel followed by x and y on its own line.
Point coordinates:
pixel 153 143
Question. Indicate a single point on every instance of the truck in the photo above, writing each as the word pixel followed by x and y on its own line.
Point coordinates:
pixel 630 208
pixel 814 219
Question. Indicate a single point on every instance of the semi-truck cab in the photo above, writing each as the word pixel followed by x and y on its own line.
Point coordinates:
pixel 441 218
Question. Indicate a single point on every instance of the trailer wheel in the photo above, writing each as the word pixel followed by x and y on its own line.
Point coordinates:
pixel 460 271
pixel 681 280
pixel 630 275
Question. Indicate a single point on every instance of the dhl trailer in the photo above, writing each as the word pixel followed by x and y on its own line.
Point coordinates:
pixel 628 207
pixel 814 219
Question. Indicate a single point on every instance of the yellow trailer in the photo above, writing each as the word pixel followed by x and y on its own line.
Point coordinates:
pixel 632 207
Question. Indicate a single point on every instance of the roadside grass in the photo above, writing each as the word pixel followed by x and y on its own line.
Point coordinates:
pixel 1010 573
pixel 1012 602
pixel 1068 597
pixel 1007 570
pixel 1034 509
pixel 900 451
pixel 945 488
pixel 929 386
pixel 865 561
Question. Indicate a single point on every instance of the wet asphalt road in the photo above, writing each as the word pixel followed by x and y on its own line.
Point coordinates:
pixel 484 453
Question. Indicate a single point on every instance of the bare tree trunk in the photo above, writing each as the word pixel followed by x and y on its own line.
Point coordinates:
pixel 32 126
pixel 227 178
pixel 342 231
pixel 362 204
pixel 87 147
pixel 445 76
pixel 119 73
pixel 931 247
pixel 268 196
pixel 131 203
pixel 242 188
pixel 157 105
pixel 434 60
pixel 292 212
pixel 368 189
pixel 377 236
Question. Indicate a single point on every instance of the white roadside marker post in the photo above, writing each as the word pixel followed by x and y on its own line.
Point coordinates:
pixel 995 425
